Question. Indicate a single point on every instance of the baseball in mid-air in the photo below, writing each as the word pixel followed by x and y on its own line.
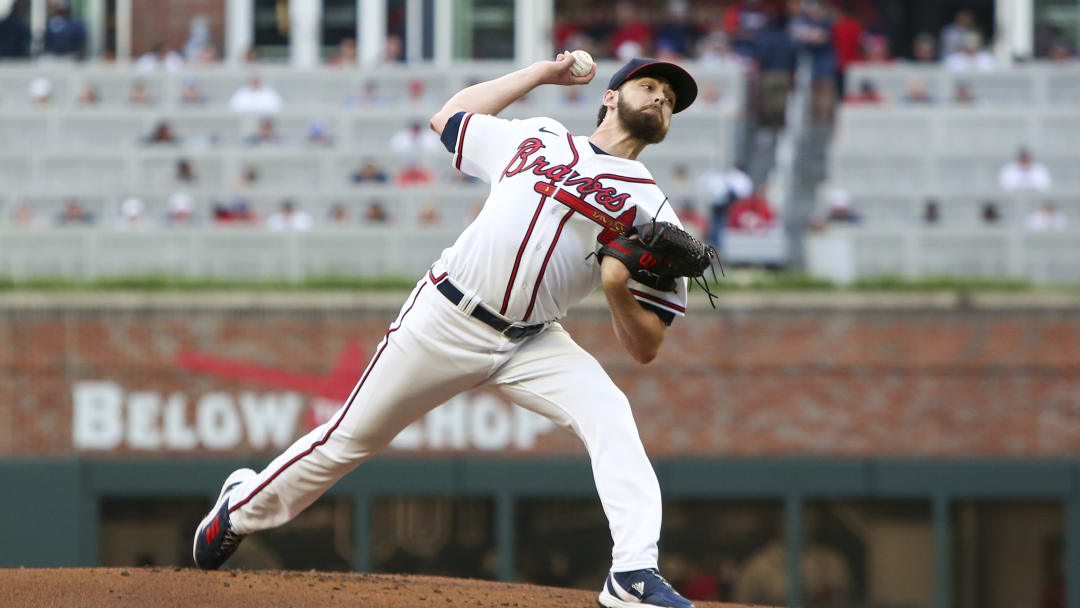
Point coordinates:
pixel 583 63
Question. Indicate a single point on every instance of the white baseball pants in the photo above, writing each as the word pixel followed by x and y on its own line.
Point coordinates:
pixel 434 351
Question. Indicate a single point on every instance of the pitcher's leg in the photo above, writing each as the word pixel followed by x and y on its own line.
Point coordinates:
pixel 407 377
pixel 553 376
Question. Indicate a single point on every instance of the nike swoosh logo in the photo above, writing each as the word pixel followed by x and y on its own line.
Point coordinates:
pixel 543 130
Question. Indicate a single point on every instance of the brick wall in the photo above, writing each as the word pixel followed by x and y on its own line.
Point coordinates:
pixel 169 21
pixel 824 383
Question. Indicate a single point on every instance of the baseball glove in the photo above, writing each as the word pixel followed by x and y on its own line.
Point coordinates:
pixel 658 253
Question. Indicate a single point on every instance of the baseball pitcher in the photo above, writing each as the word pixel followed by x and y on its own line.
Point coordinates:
pixel 566 213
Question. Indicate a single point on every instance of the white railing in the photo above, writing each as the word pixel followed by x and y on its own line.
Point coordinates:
pixel 846 254
pixel 228 254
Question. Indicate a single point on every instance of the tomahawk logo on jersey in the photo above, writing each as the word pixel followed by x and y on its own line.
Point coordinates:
pixel 555 198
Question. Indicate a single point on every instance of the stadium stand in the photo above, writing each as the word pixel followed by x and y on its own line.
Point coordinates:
pixel 75 158
pixel 896 159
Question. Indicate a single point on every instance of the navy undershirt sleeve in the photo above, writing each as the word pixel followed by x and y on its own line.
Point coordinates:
pixel 665 315
pixel 450 132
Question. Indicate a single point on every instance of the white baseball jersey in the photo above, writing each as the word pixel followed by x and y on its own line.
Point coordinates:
pixel 554 199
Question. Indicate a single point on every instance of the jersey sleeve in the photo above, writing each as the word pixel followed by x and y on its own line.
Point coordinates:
pixel 483 144
pixel 673 302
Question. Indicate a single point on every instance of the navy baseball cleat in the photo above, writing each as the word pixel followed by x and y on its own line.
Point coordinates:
pixel 640 588
pixel 215 540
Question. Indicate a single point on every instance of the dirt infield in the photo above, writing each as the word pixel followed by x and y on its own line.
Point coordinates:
pixel 187 588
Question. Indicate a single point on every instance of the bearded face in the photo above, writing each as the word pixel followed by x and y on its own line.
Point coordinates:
pixel 645 122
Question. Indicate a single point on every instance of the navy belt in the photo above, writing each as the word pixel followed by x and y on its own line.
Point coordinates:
pixel 514 331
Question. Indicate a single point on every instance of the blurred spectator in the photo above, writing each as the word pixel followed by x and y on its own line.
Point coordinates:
pixel 877 49
pixel 346 54
pixel 40 91
pixel 701 584
pixel 254 98
pixel 931 212
pixel 251 55
pixel 962 93
pixel 676 32
pixel 181 203
pixel 1061 53
pixel 181 207
pixel 163 134
pixel 369 172
pixel 198 48
pixel 395 49
pixel 132 210
pixel 680 177
pixel 191 93
pixel 206 55
pixel 140 93
pixel 375 213
pixel 265 135
pixel 715 52
pixel 632 37
pixel 241 192
pixel 721 188
pixel 573 96
pixel 88 95
pixel 1046 218
pixel 338 214
pixel 185 173
pixel 430 216
pixel 693 220
pixel 752 214
pixel 416 95
pixel 414 174
pixel 924 49
pixel 1024 173
pixel 971 57
pixel 714 100
pixel 289 218
pixel 847 44
pixel 75 214
pixel 23 216
pixel 415 139
pixel 840 211
pixel 743 21
pixel 318 135
pixel 866 95
pixel 956 35
pixel 236 213
pixel 64 36
pixel 159 58
pixel 776 59
pixel 990 213
pixel 916 91
pixel 811 29
pixel 14 34
pixel 247 180
pixel 367 95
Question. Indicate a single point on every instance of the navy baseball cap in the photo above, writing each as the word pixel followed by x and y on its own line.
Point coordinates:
pixel 682 83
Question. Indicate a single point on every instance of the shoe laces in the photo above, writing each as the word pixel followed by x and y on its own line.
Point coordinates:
pixel 229 541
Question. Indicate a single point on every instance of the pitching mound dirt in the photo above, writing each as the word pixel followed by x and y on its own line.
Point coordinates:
pixel 187 588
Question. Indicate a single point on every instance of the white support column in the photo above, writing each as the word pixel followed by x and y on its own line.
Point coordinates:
pixel 95 17
pixel 1015 24
pixel 123 30
pixel 239 29
pixel 304 33
pixel 533 23
pixel 39 16
pixel 444 32
pixel 414 30
pixel 371 37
